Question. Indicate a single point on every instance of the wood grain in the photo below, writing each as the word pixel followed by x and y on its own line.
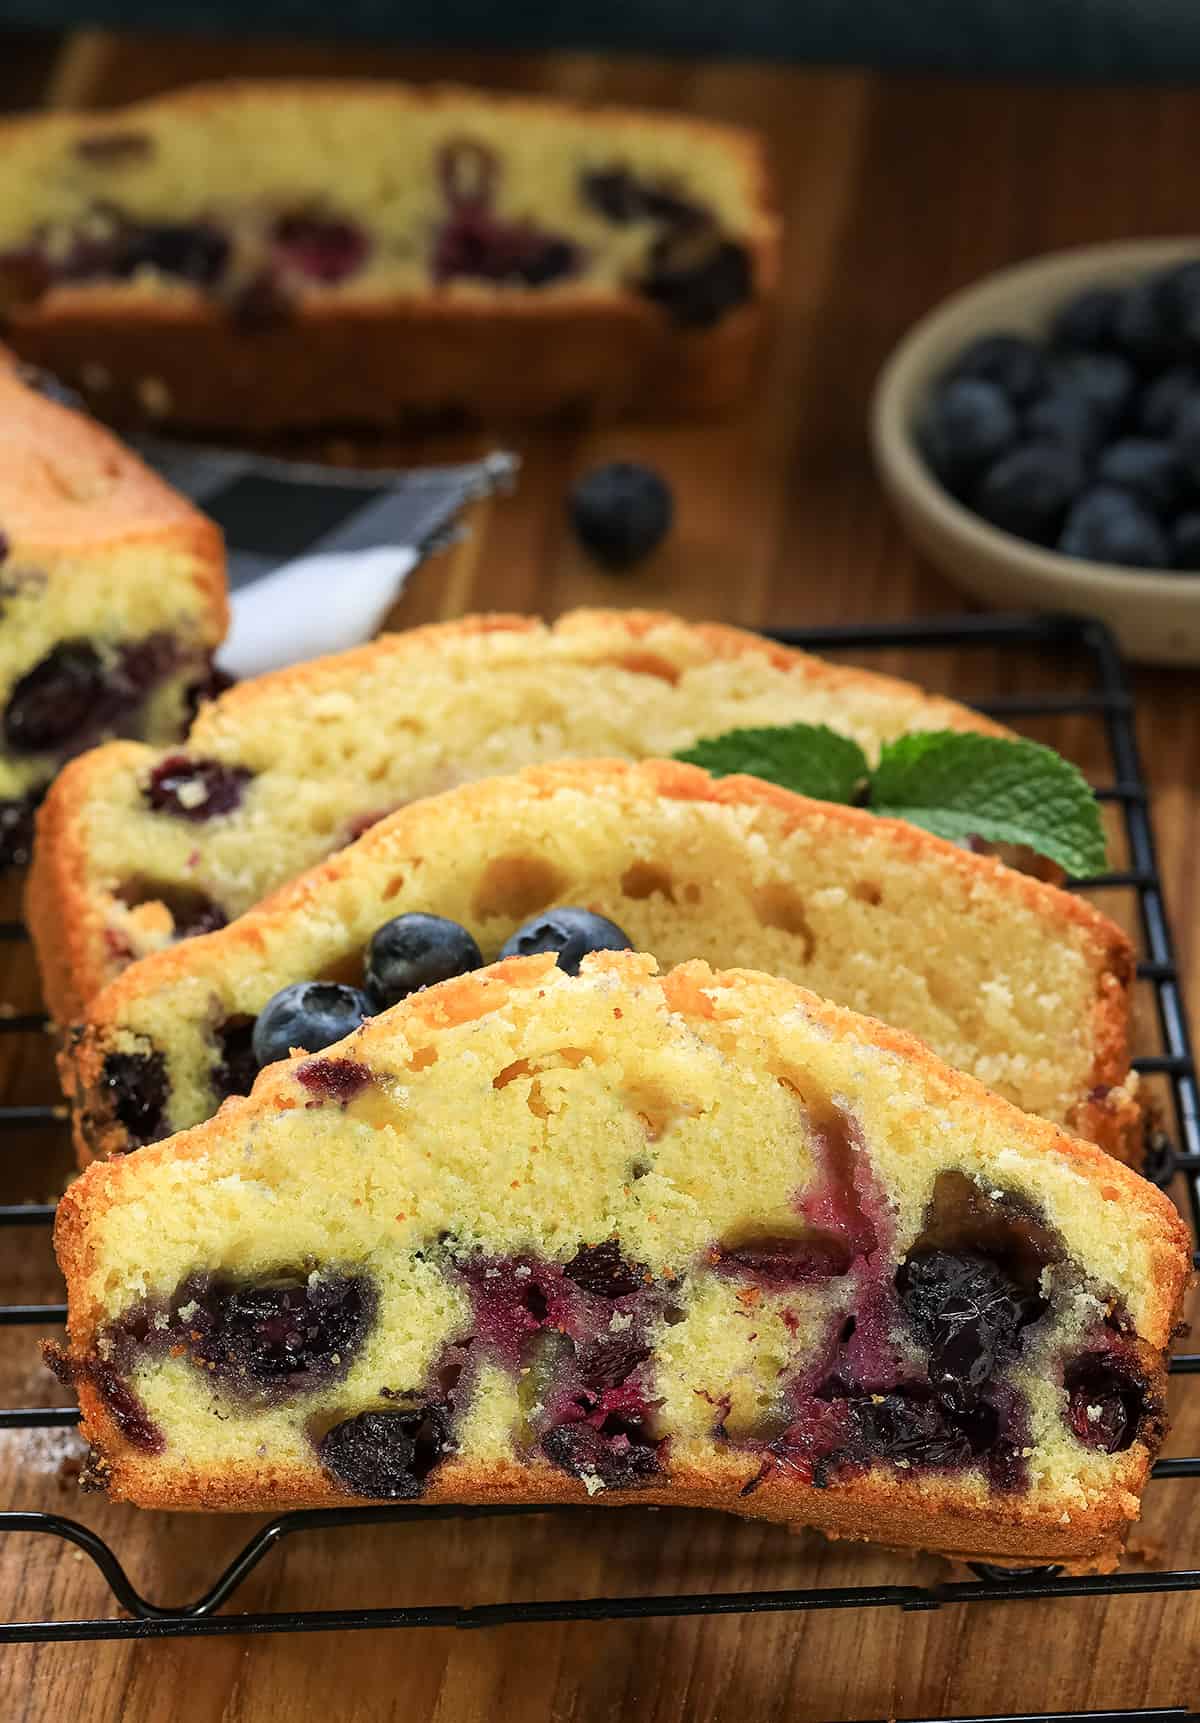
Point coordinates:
pixel 894 192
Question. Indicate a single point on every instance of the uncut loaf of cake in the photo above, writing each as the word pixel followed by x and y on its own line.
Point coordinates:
pixel 1023 985
pixel 699 1239
pixel 139 848
pixel 261 255
pixel 112 597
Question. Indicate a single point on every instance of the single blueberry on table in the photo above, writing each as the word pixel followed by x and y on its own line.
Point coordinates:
pixel 572 933
pixel 1150 469
pixel 968 423
pixel 1111 525
pixel 414 951
pixel 621 512
pixel 1086 321
pixel 1028 490
pixel 308 1014
pixel 1185 541
pixel 1161 401
pixel 1013 363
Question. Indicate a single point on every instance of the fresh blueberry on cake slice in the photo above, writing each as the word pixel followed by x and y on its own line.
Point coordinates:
pixel 695 1238
pixel 112 598
pixel 1030 991
pixel 145 847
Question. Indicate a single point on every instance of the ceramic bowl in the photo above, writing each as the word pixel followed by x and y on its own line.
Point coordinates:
pixel 1155 616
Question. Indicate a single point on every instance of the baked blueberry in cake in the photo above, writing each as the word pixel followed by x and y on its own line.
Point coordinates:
pixel 144 847
pixel 699 1239
pixel 416 248
pixel 112 598
pixel 1031 991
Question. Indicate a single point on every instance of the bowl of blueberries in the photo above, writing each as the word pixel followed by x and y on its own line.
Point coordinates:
pixel 1039 435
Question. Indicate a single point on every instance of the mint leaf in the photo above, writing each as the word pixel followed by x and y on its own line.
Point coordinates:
pixel 810 759
pixel 956 783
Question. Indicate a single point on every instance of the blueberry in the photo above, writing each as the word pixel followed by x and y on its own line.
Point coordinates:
pixel 16 830
pixel 1012 362
pixel 1185 541
pixel 1111 525
pixel 1029 490
pixel 307 1014
pixel 969 421
pixel 911 1425
pixel 1087 320
pixel 1158 321
pixel 1106 1402
pixel 235 1067
pixel 1067 417
pixel 1161 401
pixel 1148 468
pixel 1187 437
pixel 572 933
pixel 619 1454
pixel 1104 380
pixel 195 789
pixel 601 1270
pixel 56 699
pixel 621 512
pixel 697 283
pixel 387 1455
pixel 195 251
pixel 136 1084
pixel 1181 288
pixel 282 1336
pixel 414 951
pixel 1143 328
pixel 969 1313
pixel 321 247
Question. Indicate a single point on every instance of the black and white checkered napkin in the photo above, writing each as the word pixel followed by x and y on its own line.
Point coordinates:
pixel 317 555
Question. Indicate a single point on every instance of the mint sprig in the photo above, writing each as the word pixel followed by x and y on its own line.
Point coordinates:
pixel 810 759
pixel 956 784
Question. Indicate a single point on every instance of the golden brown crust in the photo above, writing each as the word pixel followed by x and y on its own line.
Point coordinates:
pixel 68 486
pixel 875 1505
pixel 1109 950
pixel 64 910
pixel 345 361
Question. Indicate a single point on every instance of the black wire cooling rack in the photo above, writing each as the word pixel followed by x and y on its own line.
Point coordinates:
pixel 1176 1153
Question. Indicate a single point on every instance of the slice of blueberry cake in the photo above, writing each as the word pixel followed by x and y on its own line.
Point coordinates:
pixel 112 597
pixel 697 1239
pixel 1030 990
pixel 142 848
pixel 270 254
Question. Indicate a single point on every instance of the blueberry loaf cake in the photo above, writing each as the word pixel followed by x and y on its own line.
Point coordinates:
pixel 112 597
pixel 699 1239
pixel 278 254
pixel 142 847
pixel 1030 993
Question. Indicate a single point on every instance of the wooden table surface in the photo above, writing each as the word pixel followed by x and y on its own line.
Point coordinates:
pixel 894 192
